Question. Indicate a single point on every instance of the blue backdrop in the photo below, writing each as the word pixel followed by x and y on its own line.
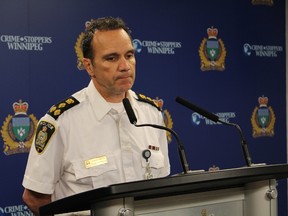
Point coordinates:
pixel 242 82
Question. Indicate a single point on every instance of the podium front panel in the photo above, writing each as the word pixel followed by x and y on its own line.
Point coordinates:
pixel 254 187
pixel 250 199
pixel 225 202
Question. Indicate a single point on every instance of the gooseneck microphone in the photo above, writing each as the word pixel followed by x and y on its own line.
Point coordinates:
pixel 133 120
pixel 216 119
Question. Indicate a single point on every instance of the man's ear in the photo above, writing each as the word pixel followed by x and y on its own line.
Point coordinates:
pixel 88 65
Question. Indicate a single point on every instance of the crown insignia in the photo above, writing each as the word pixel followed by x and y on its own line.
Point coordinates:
pixel 263 101
pixel 160 102
pixel 20 107
pixel 212 32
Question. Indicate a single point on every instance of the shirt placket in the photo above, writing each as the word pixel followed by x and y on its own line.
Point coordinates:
pixel 127 152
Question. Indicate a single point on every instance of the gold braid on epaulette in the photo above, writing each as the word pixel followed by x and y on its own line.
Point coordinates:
pixel 143 98
pixel 56 110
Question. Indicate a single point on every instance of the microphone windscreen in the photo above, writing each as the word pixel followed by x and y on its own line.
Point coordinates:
pixel 197 109
pixel 129 111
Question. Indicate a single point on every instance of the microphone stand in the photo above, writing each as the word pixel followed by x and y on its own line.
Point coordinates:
pixel 216 119
pixel 243 142
pixel 181 150
pixel 133 120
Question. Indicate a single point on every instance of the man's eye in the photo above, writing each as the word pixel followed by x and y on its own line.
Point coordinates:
pixel 111 58
pixel 131 55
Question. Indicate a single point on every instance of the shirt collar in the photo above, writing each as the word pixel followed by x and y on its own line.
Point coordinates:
pixel 101 107
pixel 131 95
pixel 98 103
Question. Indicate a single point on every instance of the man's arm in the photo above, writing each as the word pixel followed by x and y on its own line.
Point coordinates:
pixel 35 200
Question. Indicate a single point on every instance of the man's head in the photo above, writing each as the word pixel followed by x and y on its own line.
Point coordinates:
pixel 109 57
pixel 101 24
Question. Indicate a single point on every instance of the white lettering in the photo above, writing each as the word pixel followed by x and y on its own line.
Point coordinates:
pixel 160 50
pixel 210 122
pixel 17 210
pixel 24 213
pixel 25 46
pixel 266 53
pixel 30 43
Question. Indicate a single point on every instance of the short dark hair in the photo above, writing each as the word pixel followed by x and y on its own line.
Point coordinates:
pixel 101 24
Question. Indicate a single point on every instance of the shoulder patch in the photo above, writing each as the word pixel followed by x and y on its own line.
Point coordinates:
pixel 44 132
pixel 143 98
pixel 56 110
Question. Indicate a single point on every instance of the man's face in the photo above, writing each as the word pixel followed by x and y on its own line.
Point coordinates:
pixel 113 67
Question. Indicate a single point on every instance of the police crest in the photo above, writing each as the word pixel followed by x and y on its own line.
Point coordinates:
pixel 78 48
pixel 18 130
pixel 263 119
pixel 212 52
pixel 166 116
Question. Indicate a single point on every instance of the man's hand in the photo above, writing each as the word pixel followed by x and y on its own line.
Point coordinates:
pixel 35 200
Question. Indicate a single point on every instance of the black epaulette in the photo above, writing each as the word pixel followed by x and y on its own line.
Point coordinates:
pixel 56 110
pixel 143 98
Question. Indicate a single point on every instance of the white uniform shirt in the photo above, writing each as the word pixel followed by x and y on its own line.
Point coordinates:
pixel 94 146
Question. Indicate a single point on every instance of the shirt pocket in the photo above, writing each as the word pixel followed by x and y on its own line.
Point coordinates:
pixel 156 160
pixel 92 171
pixel 156 163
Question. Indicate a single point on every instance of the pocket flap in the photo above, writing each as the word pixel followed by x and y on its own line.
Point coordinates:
pixel 94 166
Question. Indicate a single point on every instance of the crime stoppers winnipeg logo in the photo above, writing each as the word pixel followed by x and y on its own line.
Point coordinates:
pixel 27 43
pixel 18 130
pixel 212 52
pixel 156 47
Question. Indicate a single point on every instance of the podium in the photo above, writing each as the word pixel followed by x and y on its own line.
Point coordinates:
pixel 249 191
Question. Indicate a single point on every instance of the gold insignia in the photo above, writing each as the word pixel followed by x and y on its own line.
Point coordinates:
pixel 212 52
pixel 78 48
pixel 263 119
pixel 263 2
pixel 61 105
pixel 52 109
pixel 18 130
pixel 169 123
pixel 56 110
pixel 146 99
pixel 204 212
pixel 167 118
pixel 79 52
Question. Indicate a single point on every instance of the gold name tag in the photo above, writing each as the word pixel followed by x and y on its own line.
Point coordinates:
pixel 95 161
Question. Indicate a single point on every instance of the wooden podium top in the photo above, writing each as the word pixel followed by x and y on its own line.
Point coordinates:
pixel 168 186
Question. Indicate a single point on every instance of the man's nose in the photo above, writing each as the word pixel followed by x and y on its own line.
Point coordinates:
pixel 124 64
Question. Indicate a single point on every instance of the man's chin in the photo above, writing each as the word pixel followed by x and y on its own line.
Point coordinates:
pixel 126 86
pixel 125 89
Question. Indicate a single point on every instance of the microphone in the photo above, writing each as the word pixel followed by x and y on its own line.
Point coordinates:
pixel 133 120
pixel 216 119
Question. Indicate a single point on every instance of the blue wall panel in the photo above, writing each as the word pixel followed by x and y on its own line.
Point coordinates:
pixel 45 72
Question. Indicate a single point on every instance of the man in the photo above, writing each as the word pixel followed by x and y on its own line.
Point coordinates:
pixel 86 141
